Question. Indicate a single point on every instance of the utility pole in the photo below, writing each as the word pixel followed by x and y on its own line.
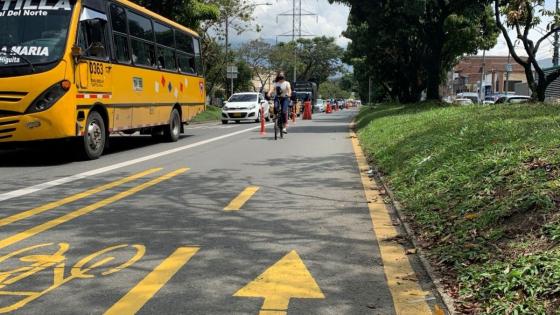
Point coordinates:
pixel 507 75
pixel 294 38
pixel 227 59
pixel 297 13
pixel 555 57
pixel 482 76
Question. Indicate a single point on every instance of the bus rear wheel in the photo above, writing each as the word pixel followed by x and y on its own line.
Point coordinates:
pixel 95 137
pixel 172 131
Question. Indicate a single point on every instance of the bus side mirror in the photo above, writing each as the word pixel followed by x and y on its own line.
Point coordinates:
pixel 77 52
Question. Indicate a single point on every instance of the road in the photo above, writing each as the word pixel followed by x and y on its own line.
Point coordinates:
pixel 225 221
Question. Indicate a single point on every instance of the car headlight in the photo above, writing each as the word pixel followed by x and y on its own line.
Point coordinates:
pixel 48 98
pixel 252 107
pixel 225 108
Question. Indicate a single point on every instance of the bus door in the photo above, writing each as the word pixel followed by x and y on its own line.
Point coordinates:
pixel 94 69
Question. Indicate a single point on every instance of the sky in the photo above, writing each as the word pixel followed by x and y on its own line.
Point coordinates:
pixel 330 21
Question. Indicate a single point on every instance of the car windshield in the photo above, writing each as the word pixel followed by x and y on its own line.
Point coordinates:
pixel 238 98
pixel 33 31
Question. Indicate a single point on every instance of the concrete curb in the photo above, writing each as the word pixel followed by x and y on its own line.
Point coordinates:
pixel 447 300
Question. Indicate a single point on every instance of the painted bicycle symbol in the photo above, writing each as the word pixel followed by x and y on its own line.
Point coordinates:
pixel 33 262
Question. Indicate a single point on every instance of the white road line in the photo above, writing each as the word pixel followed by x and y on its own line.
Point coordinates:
pixel 73 178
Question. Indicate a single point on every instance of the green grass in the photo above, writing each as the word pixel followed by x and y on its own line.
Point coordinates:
pixel 482 188
pixel 212 113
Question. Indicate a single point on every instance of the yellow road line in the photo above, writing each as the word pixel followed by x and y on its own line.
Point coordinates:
pixel 237 203
pixel 136 298
pixel 55 204
pixel 83 211
pixel 408 296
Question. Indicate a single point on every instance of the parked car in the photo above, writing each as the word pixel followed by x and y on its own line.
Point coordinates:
pixel 474 97
pixel 245 107
pixel 463 101
pixel 513 99
pixel 320 106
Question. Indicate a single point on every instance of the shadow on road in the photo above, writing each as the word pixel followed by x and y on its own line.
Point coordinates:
pixel 54 153
pixel 318 215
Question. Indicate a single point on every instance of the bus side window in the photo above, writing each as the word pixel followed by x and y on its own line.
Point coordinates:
pixel 142 40
pixel 198 57
pixel 120 33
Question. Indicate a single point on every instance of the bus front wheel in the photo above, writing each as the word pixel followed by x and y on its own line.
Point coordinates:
pixel 173 130
pixel 95 136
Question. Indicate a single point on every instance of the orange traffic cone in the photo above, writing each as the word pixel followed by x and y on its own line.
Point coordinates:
pixel 307 111
pixel 263 129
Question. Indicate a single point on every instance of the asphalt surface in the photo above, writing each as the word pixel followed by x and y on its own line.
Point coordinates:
pixel 309 200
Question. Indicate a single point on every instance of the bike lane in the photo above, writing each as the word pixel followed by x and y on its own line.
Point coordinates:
pixel 302 243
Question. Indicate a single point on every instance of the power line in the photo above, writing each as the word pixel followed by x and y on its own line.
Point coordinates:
pixel 297 13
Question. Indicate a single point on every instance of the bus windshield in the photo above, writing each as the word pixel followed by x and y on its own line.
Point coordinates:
pixel 33 32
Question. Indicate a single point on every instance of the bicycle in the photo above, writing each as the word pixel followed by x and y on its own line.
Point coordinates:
pixel 278 119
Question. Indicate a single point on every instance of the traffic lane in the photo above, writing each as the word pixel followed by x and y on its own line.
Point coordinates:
pixel 27 167
pixel 312 204
pixel 228 240
pixel 78 244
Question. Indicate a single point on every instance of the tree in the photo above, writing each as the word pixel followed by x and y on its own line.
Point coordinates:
pixel 244 77
pixel 333 89
pixel 409 45
pixel 522 16
pixel 214 58
pixel 317 59
pixel 233 15
pixel 256 54
pixel 187 12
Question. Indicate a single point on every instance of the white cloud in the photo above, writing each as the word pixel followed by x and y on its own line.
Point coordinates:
pixel 331 20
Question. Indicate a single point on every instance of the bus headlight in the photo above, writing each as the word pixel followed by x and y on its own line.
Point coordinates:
pixel 48 98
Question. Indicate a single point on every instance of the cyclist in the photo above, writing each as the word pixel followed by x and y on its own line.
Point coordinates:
pixel 283 91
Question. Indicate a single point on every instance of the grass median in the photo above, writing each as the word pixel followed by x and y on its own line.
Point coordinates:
pixel 212 113
pixel 481 187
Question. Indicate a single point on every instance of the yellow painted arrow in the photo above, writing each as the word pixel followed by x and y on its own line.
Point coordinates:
pixel 286 279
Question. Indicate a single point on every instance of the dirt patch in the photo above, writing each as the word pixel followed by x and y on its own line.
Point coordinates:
pixel 552 169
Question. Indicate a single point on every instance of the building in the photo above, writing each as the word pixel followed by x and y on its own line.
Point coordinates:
pixel 468 72
pixel 552 93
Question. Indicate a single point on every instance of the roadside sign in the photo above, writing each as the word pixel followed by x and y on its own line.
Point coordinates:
pixel 232 72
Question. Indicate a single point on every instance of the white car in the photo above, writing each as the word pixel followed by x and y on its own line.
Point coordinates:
pixel 513 99
pixel 245 107
pixel 463 101
pixel 320 106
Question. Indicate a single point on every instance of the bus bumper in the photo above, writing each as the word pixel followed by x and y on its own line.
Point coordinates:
pixel 23 128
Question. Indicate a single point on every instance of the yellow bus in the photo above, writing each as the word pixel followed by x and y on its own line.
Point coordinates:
pixel 87 68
